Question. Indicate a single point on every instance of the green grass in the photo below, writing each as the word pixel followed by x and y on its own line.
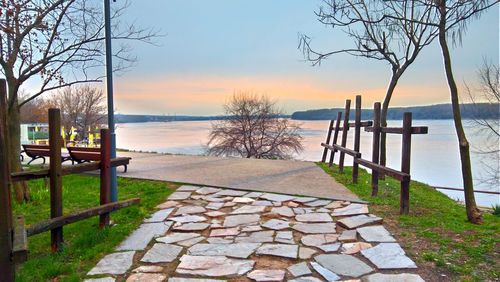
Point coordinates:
pixel 85 244
pixel 436 232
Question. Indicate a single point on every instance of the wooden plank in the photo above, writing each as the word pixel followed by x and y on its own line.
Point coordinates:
pixel 461 190
pixel 20 244
pixel 56 202
pixel 375 146
pixel 335 137
pixel 7 268
pixel 405 162
pixel 105 193
pixel 327 141
pixel 66 170
pixel 401 176
pixel 348 151
pixel 399 130
pixel 77 216
pixel 357 136
pixel 367 123
pixel 344 134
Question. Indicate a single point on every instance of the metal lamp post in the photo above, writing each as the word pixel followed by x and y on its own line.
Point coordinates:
pixel 109 90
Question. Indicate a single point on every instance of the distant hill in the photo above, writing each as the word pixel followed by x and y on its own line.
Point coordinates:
pixel 441 111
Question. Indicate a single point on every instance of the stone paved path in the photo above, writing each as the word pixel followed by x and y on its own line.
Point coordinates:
pixel 211 234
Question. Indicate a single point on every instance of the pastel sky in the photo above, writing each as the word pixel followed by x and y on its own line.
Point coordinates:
pixel 213 48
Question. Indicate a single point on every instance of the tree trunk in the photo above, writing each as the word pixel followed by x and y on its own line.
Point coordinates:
pixel 383 117
pixel 14 143
pixel 473 213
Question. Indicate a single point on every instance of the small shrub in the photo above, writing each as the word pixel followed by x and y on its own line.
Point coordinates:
pixel 496 210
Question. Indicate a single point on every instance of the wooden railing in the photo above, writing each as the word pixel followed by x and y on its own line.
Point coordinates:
pixel 13 232
pixel 407 130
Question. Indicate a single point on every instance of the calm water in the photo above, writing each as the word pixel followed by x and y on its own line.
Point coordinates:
pixel 435 157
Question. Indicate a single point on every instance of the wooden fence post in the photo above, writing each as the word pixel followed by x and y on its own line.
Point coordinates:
pixel 375 146
pixel 328 137
pixel 345 130
pixel 56 204
pixel 105 194
pixel 405 162
pixel 6 230
pixel 357 136
pixel 335 137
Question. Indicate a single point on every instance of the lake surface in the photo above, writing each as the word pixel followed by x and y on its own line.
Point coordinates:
pixel 435 158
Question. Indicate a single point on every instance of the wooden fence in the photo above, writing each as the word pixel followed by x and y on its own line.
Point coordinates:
pixel 406 131
pixel 13 232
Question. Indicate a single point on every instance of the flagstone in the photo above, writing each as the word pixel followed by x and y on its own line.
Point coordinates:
pixel 159 216
pixel 353 248
pixel 257 237
pixel 318 203
pixel 330 248
pixel 267 275
pixel 190 210
pixel 352 222
pixel 304 199
pixel 322 210
pixel 187 188
pixel 263 203
pixel 315 228
pixel 352 209
pixel 299 269
pixel 318 239
pixel 248 209
pixel 162 253
pixel 406 277
pixel 251 228
pixel 334 205
pixel 103 279
pixel 216 240
pixel 140 238
pixel 115 263
pixel 280 250
pixel 348 236
pixel 388 256
pixel 284 237
pixel 176 279
pixel 236 250
pixel 243 200
pixel 253 194
pixel 207 190
pixel 179 195
pixel 225 232
pixel 293 204
pixel 214 266
pixel 303 210
pixel 168 204
pixel 214 213
pixel 177 237
pixel 192 226
pixel 283 211
pixel 375 234
pixel 276 224
pixel 229 204
pixel 324 272
pixel 190 242
pixel 146 277
pixel 214 205
pixel 148 269
pixel 306 253
pixel 213 199
pixel 276 197
pixel 232 193
pixel 314 217
pixel 345 265
pixel 306 279
pixel 241 219
pixel 188 218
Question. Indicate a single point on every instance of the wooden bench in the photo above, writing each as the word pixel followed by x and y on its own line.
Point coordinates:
pixel 41 152
pixel 88 154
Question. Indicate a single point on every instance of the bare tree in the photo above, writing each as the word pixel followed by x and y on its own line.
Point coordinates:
pixel 81 107
pixel 488 91
pixel 58 43
pixel 394 40
pixel 34 111
pixel 254 129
